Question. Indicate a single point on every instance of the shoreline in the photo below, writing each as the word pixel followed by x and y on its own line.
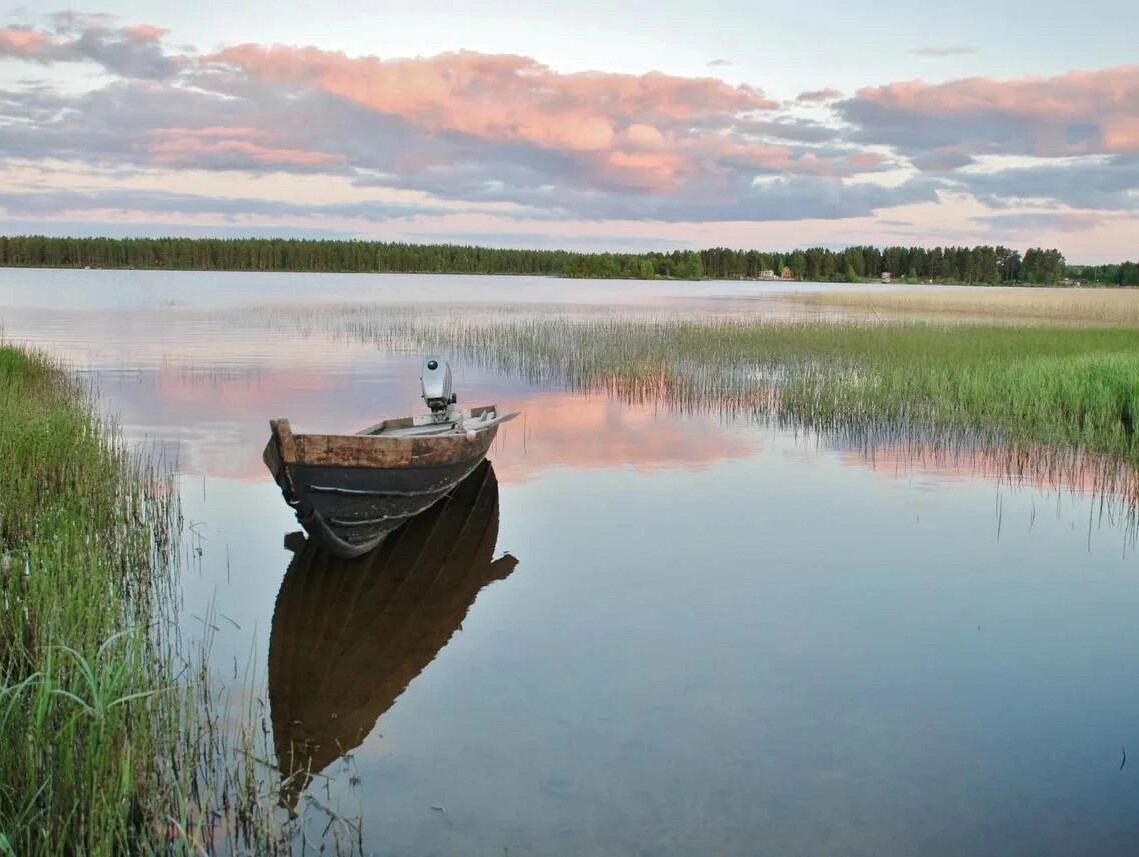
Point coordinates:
pixel 869 283
pixel 980 264
pixel 113 739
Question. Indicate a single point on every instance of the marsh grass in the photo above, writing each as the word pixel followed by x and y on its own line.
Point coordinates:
pixel 111 740
pixel 1059 403
pixel 1113 307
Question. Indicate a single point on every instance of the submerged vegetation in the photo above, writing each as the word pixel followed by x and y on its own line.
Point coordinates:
pixel 986 265
pixel 110 741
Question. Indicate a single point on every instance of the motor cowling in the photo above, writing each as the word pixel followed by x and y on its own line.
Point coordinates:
pixel 435 383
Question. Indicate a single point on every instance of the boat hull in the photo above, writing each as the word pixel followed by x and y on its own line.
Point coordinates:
pixel 351 509
pixel 349 491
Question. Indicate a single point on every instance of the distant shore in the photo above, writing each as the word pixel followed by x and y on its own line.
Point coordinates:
pixel 980 265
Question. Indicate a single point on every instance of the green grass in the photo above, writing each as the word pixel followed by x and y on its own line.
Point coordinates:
pixel 1093 306
pixel 1059 392
pixel 82 531
pixel 111 742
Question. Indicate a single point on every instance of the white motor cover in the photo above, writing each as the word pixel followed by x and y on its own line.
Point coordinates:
pixel 435 382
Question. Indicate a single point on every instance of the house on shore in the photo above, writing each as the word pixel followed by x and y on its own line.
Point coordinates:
pixel 886 278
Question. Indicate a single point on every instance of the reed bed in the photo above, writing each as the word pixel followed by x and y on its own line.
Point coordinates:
pixel 111 741
pixel 1059 404
pixel 1115 307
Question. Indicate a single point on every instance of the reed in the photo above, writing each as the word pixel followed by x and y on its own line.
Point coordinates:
pixel 1114 307
pixel 1056 399
pixel 112 741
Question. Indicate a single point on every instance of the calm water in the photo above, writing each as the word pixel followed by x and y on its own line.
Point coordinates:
pixel 660 633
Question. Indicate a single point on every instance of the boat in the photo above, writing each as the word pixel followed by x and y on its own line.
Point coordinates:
pixel 349 635
pixel 349 491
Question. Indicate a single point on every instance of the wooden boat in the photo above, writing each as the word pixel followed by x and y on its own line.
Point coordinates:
pixel 348 636
pixel 349 491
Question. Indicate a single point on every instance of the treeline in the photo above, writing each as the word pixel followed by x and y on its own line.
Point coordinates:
pixel 990 265
pixel 1123 274
pixel 982 264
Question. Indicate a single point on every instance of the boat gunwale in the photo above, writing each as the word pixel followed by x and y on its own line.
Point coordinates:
pixel 286 450
pixel 379 428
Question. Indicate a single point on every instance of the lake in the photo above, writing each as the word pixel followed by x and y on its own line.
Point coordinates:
pixel 646 631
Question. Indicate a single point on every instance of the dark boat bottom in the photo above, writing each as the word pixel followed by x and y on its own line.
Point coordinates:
pixel 351 509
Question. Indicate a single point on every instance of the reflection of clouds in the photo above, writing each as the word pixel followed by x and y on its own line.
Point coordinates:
pixel 580 431
pixel 1035 467
pixel 218 422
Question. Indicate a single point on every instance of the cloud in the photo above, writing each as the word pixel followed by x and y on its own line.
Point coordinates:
pixel 62 203
pixel 151 228
pixel 1095 183
pixel 1078 113
pixel 1043 221
pixel 818 95
pixel 465 126
pixel 509 135
pixel 716 63
pixel 133 51
pixel 942 50
pixel 499 96
pixel 943 160
pixel 794 129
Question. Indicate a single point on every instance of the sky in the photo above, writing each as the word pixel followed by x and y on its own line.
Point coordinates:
pixel 587 125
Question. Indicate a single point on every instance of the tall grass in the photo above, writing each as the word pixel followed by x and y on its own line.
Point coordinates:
pixel 111 742
pixel 1056 398
pixel 83 528
pixel 1113 307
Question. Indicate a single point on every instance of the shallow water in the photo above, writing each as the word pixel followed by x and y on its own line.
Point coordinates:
pixel 717 637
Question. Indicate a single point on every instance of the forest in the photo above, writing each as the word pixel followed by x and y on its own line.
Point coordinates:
pixel 979 265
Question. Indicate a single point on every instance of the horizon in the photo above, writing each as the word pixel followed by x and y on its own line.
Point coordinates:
pixel 615 251
pixel 576 129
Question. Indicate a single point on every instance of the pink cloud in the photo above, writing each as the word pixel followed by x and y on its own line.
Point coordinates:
pixel 608 121
pixel 862 161
pixel 642 136
pixel 29 44
pixel 145 32
pixel 188 149
pixel 1121 134
pixel 1106 100
pixel 819 95
pixel 501 96
pixel 134 52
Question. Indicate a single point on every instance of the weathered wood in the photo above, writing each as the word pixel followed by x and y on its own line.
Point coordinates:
pixel 286 444
pixel 351 490
pixel 379 451
pixel 286 453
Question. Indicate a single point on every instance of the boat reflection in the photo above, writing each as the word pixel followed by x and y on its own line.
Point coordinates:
pixel 349 635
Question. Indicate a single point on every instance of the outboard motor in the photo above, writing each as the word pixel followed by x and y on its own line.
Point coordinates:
pixel 435 383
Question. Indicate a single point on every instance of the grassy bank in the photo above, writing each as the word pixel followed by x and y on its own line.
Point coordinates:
pixel 1114 307
pixel 110 741
pixel 83 532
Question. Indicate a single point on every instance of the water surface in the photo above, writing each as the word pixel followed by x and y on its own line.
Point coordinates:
pixel 668 633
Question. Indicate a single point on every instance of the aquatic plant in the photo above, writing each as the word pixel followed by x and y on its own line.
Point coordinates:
pixel 1057 399
pixel 113 740
pixel 1111 307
